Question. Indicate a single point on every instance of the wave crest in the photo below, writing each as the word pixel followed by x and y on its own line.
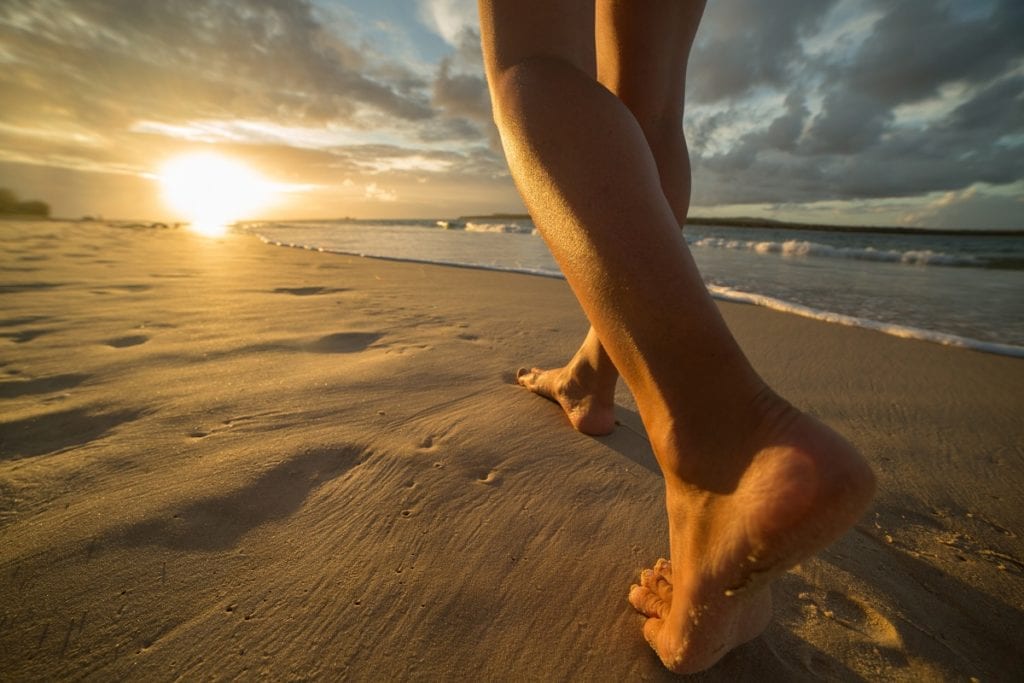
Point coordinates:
pixel 805 248
pixel 500 227
pixel 903 331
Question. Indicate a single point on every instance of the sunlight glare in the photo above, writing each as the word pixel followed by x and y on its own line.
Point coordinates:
pixel 212 191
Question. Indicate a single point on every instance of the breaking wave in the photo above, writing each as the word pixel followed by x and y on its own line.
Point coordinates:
pixel 500 227
pixel 805 248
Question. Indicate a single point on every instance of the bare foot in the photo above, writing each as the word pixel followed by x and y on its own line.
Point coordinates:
pixel 795 487
pixel 589 406
pixel 585 387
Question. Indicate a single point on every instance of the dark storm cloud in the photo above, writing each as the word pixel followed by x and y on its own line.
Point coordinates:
pixel 912 52
pixel 748 43
pixel 851 122
pixel 997 107
pixel 781 134
pixel 784 131
pixel 859 143
pixel 920 45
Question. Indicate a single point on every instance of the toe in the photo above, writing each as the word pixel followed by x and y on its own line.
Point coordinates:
pixel 663 579
pixel 647 602
pixel 529 378
pixel 664 568
pixel 658 582
pixel 538 381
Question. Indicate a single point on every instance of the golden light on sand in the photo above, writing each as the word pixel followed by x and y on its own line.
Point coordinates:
pixel 212 191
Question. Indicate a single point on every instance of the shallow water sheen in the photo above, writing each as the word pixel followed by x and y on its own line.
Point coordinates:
pixel 952 289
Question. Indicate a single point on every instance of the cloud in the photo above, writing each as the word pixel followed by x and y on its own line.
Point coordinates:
pixel 975 206
pixel 449 18
pixel 109 62
pixel 744 44
pixel 380 194
pixel 850 122
pixel 919 45
pixel 460 92
pixel 114 86
pixel 809 102
pixel 920 97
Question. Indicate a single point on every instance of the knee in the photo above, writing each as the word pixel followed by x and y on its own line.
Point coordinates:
pixel 659 112
pixel 663 127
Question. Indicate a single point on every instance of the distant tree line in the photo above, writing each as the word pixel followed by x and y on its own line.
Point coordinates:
pixel 11 205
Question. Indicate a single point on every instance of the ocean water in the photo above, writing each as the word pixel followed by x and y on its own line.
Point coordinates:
pixel 954 289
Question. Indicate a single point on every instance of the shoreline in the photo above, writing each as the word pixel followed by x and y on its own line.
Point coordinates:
pixel 224 460
pixel 768 223
pixel 723 294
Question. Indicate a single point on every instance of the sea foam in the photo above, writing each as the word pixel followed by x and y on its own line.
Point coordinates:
pixel 948 318
pixel 804 248
pixel 902 331
pixel 500 227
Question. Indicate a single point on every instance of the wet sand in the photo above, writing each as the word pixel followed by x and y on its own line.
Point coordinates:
pixel 224 459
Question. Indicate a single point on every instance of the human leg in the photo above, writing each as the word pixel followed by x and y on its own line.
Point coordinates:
pixel 753 486
pixel 649 77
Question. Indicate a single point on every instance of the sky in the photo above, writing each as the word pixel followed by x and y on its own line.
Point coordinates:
pixel 836 111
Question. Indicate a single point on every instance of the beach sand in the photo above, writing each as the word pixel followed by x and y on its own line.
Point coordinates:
pixel 222 459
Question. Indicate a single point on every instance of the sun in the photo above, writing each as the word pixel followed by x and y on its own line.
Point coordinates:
pixel 212 191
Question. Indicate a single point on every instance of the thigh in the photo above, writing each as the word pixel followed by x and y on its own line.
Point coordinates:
pixel 642 50
pixel 513 31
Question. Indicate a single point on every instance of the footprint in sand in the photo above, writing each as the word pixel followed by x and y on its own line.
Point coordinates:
pixel 124 342
pixel 29 287
pixel 490 478
pixel 859 616
pixel 241 421
pixel 42 385
pixel 344 342
pixel 131 288
pixel 25 335
pixel 58 431
pixel 23 320
pixel 307 291
pixel 433 441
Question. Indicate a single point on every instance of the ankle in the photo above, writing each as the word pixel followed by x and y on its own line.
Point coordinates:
pixel 710 443
pixel 592 375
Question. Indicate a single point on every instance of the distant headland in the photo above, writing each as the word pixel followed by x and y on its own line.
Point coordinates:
pixel 10 205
